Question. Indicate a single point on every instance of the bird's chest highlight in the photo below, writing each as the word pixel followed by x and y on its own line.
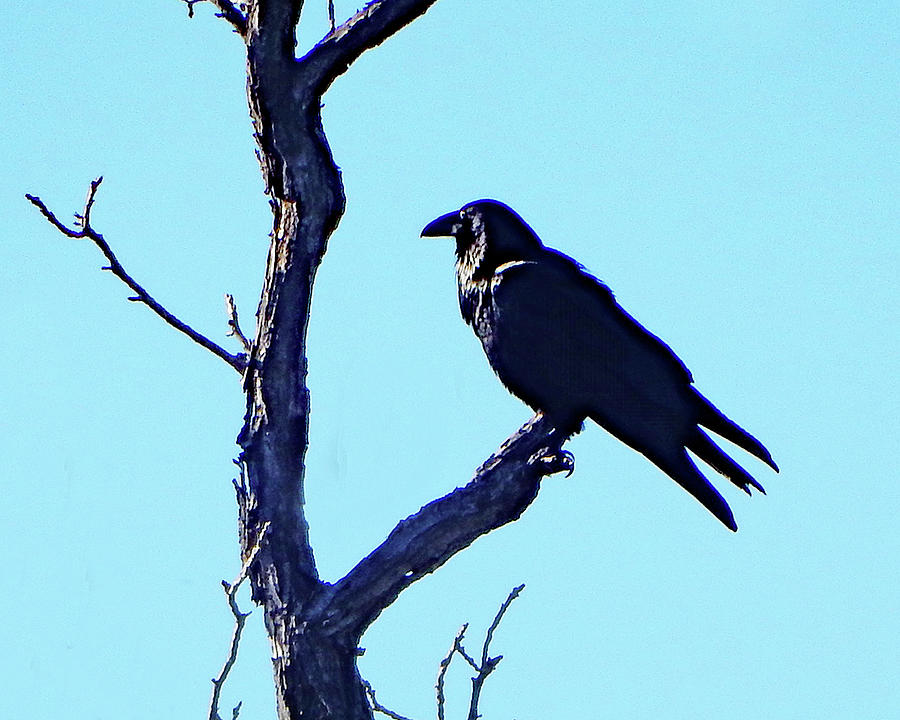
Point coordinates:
pixel 475 294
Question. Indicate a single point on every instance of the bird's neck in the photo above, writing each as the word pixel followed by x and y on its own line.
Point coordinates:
pixel 473 273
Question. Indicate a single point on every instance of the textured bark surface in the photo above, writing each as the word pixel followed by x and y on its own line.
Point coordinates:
pixel 314 626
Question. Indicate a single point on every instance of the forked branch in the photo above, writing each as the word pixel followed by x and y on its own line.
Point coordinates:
pixel 488 663
pixel 82 229
pixel 482 669
pixel 226 11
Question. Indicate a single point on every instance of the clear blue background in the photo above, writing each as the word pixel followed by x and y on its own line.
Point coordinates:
pixel 730 169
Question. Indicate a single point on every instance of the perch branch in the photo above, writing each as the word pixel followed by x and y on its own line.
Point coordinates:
pixel 83 229
pixel 240 618
pixel 226 11
pixel 502 488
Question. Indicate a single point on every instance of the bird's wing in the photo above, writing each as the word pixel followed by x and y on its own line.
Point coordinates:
pixel 567 346
pixel 570 324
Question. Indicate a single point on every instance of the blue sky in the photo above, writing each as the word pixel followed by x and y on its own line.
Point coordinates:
pixel 730 169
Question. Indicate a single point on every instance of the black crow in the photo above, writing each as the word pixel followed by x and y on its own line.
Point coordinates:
pixel 557 339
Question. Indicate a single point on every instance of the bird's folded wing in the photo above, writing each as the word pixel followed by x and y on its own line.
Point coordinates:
pixel 561 316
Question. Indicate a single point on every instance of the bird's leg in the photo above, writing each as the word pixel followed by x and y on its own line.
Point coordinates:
pixel 552 457
pixel 554 462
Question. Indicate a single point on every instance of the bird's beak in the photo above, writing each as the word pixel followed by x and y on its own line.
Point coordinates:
pixel 444 226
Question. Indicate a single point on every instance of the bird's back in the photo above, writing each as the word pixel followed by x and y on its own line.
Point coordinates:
pixel 558 339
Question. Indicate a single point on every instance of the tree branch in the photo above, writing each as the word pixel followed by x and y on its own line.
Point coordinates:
pixel 445 665
pixel 239 619
pixel 377 706
pixel 502 488
pixel 487 666
pixel 369 27
pixel 458 646
pixel 227 11
pixel 83 221
pixel 234 327
pixel 488 663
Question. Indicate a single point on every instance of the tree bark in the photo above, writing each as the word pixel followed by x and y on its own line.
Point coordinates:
pixel 314 626
pixel 315 676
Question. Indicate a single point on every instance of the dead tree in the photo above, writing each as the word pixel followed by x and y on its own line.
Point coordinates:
pixel 315 626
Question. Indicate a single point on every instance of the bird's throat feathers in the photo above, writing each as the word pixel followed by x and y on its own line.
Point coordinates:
pixel 491 236
pixel 473 274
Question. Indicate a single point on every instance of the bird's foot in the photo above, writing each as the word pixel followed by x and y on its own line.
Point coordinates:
pixel 553 461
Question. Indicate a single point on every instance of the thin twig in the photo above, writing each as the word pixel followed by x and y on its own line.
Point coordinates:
pixel 465 656
pixel 442 669
pixel 482 671
pixel 488 663
pixel 240 618
pixel 227 11
pixel 377 706
pixel 234 328
pixel 251 557
pixel 83 229
pixel 513 594
pixel 331 14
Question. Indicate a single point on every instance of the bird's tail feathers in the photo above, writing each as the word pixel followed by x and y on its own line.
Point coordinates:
pixel 703 447
pixel 682 469
pixel 712 418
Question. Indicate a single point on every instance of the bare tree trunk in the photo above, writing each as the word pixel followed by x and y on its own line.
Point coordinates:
pixel 315 674
pixel 315 627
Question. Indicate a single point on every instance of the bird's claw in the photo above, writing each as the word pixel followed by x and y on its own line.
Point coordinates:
pixel 554 461
pixel 568 462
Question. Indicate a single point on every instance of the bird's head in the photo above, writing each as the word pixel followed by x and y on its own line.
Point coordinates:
pixel 491 224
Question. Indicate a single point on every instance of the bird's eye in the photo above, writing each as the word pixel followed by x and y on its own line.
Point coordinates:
pixel 468 215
